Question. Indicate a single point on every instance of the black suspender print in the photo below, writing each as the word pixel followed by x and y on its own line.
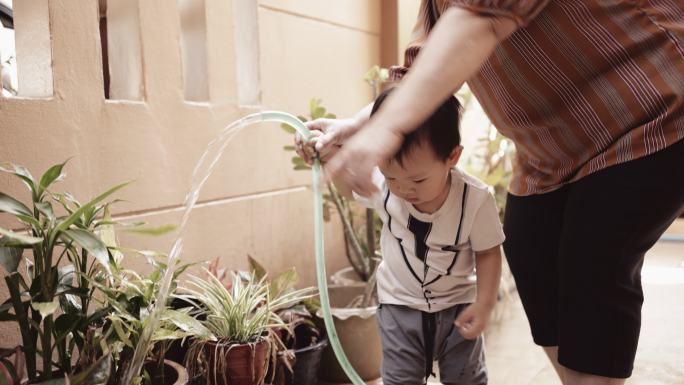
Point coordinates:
pixel 458 235
pixel 421 230
pixel 403 252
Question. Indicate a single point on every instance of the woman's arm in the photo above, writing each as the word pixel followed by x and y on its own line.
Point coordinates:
pixel 457 47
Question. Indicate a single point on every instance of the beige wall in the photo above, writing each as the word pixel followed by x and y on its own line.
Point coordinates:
pixel 254 203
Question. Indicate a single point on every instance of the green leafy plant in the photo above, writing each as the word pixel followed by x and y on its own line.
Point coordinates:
pixel 65 251
pixel 492 164
pixel 301 329
pixel 130 296
pixel 51 301
pixel 241 312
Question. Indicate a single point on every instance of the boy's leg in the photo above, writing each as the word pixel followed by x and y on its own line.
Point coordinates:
pixel 612 218
pixel 461 361
pixel 403 352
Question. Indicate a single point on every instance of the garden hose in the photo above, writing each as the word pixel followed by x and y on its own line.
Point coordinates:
pixel 283 117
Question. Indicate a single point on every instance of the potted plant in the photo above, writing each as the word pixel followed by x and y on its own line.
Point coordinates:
pixel 50 301
pixel 300 345
pixel 240 317
pixel 130 296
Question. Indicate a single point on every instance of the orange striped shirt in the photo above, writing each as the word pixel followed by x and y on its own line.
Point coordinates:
pixel 580 86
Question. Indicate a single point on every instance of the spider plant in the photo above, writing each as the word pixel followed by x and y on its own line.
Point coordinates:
pixel 241 313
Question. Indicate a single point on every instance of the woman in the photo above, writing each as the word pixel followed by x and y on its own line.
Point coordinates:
pixel 591 93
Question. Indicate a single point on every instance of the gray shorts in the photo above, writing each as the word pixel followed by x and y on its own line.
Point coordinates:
pixel 403 332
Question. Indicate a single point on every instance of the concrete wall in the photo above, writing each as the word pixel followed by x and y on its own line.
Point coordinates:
pixel 147 131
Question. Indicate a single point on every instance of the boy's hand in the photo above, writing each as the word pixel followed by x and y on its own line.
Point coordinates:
pixel 473 320
pixel 327 138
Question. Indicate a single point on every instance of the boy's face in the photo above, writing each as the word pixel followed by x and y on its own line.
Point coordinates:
pixel 423 179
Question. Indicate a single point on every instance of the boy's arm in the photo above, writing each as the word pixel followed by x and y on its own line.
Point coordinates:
pixel 473 319
pixel 488 271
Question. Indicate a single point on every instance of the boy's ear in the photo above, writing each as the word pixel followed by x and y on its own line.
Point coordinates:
pixel 455 156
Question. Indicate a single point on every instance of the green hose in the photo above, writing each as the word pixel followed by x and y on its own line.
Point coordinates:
pixel 283 117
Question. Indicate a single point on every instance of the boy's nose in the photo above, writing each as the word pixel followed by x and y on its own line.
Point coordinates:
pixel 405 190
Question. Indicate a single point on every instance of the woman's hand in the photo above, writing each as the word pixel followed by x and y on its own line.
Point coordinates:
pixel 354 163
pixel 327 136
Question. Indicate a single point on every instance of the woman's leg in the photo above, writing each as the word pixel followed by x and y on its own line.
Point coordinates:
pixel 552 353
pixel 612 218
pixel 533 226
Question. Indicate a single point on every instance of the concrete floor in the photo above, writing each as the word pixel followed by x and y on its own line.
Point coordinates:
pixel 513 359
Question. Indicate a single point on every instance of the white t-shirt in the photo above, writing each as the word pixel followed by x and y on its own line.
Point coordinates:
pixel 429 259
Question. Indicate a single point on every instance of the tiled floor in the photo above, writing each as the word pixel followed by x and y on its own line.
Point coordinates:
pixel 514 360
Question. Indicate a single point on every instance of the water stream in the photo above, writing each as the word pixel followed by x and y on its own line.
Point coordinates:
pixel 205 166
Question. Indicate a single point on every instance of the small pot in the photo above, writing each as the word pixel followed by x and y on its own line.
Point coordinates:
pixel 307 364
pixel 244 364
pixel 347 277
pixel 172 374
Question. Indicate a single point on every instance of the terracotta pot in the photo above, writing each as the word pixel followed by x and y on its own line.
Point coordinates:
pixel 237 364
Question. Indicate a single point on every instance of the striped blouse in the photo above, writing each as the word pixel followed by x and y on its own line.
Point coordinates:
pixel 580 86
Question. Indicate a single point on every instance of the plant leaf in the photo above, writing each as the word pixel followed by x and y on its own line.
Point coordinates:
pixel 88 206
pixel 90 242
pixel 13 239
pixel 45 208
pixel 13 206
pixel 10 257
pixel 21 172
pixel 96 374
pixel 283 282
pixel 287 128
pixel 318 112
pixel 159 230
pixel 53 174
pixel 188 324
pixel 45 308
pixel 256 267
pixel 313 104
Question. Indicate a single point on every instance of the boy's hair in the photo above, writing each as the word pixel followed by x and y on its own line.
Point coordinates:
pixel 440 130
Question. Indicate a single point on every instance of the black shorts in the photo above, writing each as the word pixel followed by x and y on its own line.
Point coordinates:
pixel 576 255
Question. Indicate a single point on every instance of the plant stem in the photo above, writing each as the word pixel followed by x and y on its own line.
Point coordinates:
pixel 370 237
pixel 349 231
pixel 20 311
pixel 46 346
pixel 369 290
pixel 84 281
